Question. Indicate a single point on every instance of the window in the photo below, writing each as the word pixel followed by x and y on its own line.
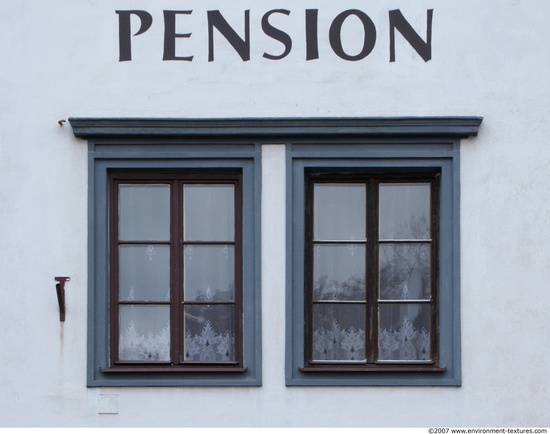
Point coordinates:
pixel 174 253
pixel 176 285
pixel 151 181
pixel 371 261
pixel 373 253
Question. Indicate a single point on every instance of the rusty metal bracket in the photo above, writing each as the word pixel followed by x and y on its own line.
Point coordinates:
pixel 60 289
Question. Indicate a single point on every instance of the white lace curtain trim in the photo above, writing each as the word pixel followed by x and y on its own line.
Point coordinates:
pixel 405 343
pixel 206 346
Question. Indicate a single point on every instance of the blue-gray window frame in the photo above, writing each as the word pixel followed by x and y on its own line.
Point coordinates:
pixel 397 147
pixel 123 144
pixel 350 142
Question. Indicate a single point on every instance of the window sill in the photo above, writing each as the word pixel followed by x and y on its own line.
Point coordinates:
pixel 378 368
pixel 168 369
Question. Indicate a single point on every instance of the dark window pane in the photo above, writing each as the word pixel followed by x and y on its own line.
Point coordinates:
pixel 144 212
pixel 209 333
pixel 339 272
pixel 209 212
pixel 209 273
pixel 144 333
pixel 404 271
pixel 339 211
pixel 144 273
pixel 339 332
pixel 404 332
pixel 404 211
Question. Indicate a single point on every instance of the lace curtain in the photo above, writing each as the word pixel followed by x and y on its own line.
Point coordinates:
pixel 208 345
pixel 403 343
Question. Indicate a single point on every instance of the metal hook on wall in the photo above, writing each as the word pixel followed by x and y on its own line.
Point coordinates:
pixel 60 289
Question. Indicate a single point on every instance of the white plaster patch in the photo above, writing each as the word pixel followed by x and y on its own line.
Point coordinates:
pixel 107 404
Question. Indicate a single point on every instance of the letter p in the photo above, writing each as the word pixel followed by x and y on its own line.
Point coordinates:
pixel 125 33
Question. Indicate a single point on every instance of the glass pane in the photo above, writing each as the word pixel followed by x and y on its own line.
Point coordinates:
pixel 339 272
pixel 339 212
pixel 404 211
pixel 209 212
pixel 144 333
pixel 339 332
pixel 209 273
pixel 404 271
pixel 209 333
pixel 404 332
pixel 144 212
pixel 144 273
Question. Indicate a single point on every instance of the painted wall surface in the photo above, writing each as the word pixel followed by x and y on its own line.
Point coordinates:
pixel 60 59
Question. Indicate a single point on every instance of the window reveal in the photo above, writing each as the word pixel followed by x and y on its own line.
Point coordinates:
pixel 371 261
pixel 176 280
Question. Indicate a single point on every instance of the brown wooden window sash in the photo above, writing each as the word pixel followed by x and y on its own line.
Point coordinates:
pixel 373 302
pixel 176 302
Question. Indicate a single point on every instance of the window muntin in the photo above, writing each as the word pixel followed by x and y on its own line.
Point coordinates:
pixel 371 254
pixel 176 288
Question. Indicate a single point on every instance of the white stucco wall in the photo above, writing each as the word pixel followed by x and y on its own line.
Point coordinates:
pixel 60 59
